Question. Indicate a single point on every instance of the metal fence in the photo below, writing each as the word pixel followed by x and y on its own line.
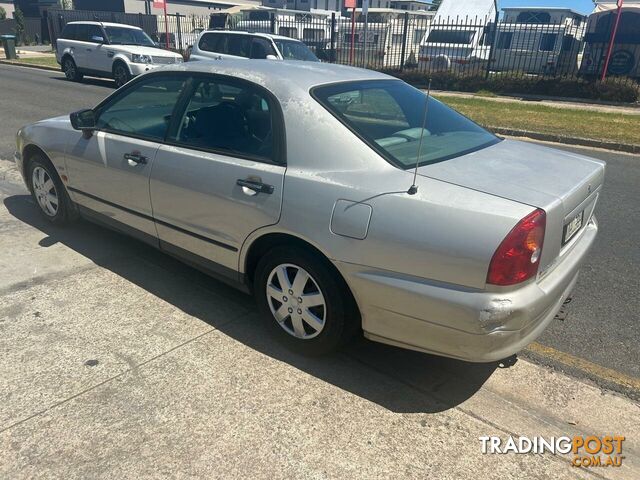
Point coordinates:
pixel 404 41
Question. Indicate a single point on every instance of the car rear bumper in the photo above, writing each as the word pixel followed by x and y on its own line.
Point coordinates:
pixel 454 321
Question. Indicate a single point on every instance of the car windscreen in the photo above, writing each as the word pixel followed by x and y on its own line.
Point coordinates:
pixel 292 50
pixel 128 36
pixel 389 115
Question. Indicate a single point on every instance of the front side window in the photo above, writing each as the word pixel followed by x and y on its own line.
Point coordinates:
pixel 292 50
pixel 94 32
pixel 239 45
pixel 389 115
pixel 128 36
pixel 230 118
pixel 143 110
pixel 261 47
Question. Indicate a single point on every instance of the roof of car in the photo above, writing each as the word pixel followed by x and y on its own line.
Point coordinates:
pixel 257 34
pixel 104 24
pixel 280 76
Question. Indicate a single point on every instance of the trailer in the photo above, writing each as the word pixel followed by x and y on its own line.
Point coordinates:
pixel 386 32
pixel 625 56
pixel 539 41
pixel 458 38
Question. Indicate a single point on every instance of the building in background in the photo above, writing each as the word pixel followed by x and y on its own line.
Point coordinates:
pixel 34 8
pixel 184 7
pixel 8 6
pixel 410 5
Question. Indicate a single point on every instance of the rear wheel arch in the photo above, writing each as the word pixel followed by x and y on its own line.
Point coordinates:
pixel 269 241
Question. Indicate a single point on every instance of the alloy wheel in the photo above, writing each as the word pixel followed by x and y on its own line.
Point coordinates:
pixel 69 69
pixel 45 192
pixel 296 301
pixel 120 75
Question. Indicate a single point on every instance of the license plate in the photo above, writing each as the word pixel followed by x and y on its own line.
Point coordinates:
pixel 571 228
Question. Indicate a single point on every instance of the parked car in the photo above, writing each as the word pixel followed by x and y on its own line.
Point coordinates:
pixel 297 181
pixel 111 50
pixel 232 44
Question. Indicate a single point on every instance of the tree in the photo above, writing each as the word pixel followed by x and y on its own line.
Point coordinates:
pixel 66 4
pixel 18 16
pixel 3 14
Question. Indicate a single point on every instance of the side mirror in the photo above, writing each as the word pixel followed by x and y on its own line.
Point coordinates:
pixel 97 39
pixel 84 120
pixel 272 57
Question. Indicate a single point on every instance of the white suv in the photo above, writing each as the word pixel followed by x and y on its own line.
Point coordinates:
pixel 231 44
pixel 111 50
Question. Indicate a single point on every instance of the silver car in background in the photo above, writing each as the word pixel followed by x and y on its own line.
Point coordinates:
pixel 295 181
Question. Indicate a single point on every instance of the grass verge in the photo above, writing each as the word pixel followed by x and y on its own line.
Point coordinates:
pixel 44 61
pixel 604 126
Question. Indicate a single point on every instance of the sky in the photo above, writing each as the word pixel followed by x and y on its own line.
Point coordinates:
pixel 582 6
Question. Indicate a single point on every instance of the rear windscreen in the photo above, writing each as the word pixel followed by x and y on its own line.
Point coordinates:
pixel 389 115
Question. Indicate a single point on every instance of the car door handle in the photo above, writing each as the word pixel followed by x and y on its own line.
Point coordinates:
pixel 135 158
pixel 254 186
pixel 89 50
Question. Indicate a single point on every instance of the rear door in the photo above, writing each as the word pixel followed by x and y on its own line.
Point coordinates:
pixel 221 174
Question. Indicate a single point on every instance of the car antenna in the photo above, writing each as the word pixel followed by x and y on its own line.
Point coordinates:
pixel 414 188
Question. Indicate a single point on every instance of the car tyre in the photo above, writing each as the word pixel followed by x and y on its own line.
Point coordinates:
pixel 311 317
pixel 71 70
pixel 49 193
pixel 121 74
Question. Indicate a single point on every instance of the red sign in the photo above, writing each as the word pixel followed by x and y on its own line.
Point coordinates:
pixel 160 4
pixel 350 3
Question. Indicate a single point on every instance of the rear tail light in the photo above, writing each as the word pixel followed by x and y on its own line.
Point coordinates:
pixel 518 257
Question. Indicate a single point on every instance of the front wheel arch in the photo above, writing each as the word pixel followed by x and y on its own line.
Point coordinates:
pixel 28 153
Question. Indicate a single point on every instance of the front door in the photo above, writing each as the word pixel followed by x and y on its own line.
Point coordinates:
pixel 221 174
pixel 109 171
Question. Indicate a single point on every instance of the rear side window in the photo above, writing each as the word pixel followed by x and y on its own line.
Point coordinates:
pixel 213 42
pixel 82 32
pixel 230 118
pixel 389 116
pixel 239 45
pixel 69 32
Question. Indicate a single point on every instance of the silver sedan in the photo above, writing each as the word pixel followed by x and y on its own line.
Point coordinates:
pixel 345 200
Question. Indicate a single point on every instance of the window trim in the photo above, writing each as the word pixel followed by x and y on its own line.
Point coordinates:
pixel 377 148
pixel 279 156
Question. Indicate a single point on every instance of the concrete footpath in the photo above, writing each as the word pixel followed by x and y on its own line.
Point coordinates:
pixel 119 362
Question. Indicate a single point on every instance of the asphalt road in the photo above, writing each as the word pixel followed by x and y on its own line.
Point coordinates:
pixel 603 325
